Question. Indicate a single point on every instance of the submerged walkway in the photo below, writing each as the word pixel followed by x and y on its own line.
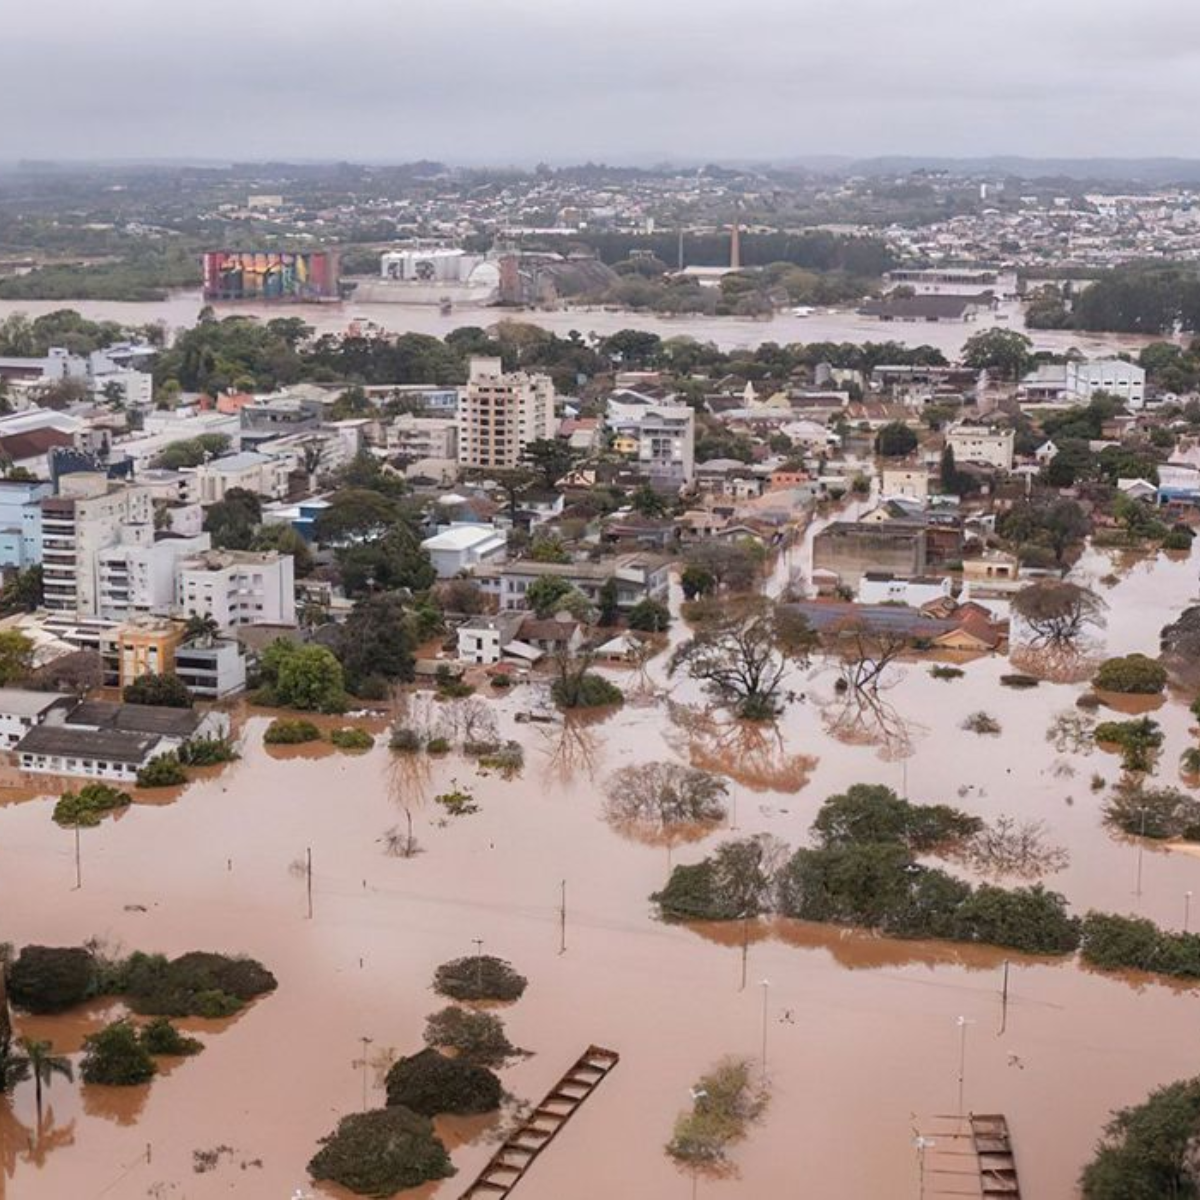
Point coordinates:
pixel 968 1156
pixel 516 1155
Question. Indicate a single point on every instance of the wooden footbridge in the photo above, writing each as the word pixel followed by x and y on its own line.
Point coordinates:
pixel 969 1156
pixel 507 1167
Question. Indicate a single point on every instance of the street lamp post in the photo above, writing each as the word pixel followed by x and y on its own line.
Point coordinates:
pixel 766 987
pixel 962 1023
pixel 922 1144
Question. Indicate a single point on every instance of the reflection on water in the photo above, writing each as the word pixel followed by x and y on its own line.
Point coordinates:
pixel 122 1105
pixel 874 1019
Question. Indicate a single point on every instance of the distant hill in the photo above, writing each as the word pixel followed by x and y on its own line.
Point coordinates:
pixel 1100 170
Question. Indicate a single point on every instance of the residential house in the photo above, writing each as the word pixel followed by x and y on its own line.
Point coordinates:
pixel 459 548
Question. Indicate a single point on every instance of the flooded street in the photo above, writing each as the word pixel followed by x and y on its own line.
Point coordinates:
pixel 861 1036
pixel 728 333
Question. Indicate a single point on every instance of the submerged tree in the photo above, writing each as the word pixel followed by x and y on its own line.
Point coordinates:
pixel 661 800
pixel 1057 612
pixel 741 652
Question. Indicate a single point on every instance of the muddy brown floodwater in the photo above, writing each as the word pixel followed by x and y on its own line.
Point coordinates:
pixel 861 1036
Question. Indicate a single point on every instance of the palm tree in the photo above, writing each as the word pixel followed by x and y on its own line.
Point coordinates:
pixel 43 1064
pixel 201 629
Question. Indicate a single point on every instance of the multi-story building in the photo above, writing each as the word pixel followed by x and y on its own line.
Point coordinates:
pixel 76 526
pixel 500 413
pixel 238 587
pixel 423 437
pixel 983 444
pixel 666 444
pixel 21 521
pixel 262 474
pixel 137 576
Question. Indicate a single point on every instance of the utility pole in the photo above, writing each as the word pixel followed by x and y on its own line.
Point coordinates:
pixel 562 920
pixel 308 877
pixel 1141 848
pixel 78 861
pixel 1004 1000
pixel 478 943
pixel 366 1041
pixel 962 1023
pixel 766 990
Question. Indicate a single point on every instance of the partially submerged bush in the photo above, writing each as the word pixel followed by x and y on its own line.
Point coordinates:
pixel 199 984
pixel 115 1056
pixel 161 1037
pixel 86 807
pixel 1148 1151
pixel 458 802
pixel 381 1152
pixel 873 813
pixel 1120 943
pixel 1154 812
pixel 943 672
pixel 508 759
pixel 405 741
pixel 1139 742
pixel 285 731
pixel 438 745
pixel 587 691
pixel 49 979
pixel 726 1102
pixel 475 1037
pixel 981 722
pixel 352 739
pixel 1019 681
pixel 737 880
pixel 163 770
pixel 429 1083
pixel 1132 674
pixel 208 751
pixel 479 977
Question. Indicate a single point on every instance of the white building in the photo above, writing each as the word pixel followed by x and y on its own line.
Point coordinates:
pixel 909 481
pixel 21 710
pixel 262 474
pixel 500 413
pixel 982 444
pixel 878 587
pixel 460 548
pixel 137 575
pixel 212 670
pixel 86 518
pixel 238 587
pixel 1076 382
pixel 666 444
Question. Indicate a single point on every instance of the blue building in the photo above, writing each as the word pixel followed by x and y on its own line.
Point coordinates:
pixel 21 521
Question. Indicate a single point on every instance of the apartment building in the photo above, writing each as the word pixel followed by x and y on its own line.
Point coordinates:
pixel 500 413
pixel 137 575
pixel 21 521
pixel 238 587
pixel 638 576
pixel 76 526
pixel 982 444
pixel 666 444
pixel 423 437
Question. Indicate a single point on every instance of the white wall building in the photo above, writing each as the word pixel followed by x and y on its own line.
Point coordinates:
pixel 86 518
pixel 261 474
pixel 500 413
pixel 1077 382
pixel 137 576
pixel 460 548
pixel 878 587
pixel 666 444
pixel 982 444
pixel 238 587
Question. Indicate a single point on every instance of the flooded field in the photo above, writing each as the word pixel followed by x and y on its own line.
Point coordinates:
pixel 728 333
pixel 860 1034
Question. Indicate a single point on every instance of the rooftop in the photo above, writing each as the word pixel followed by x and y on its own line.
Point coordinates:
pixel 105 744
pixel 151 719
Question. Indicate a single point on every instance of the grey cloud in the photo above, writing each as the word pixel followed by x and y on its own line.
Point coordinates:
pixel 517 80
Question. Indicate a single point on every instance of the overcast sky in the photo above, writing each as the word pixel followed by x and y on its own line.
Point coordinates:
pixel 622 80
